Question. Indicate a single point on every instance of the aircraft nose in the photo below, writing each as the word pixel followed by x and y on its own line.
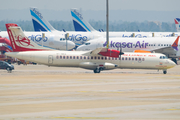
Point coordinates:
pixel 70 44
pixel 171 63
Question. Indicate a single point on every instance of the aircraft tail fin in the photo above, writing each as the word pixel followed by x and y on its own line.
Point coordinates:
pixel 177 21
pixel 39 22
pixel 175 44
pixel 79 23
pixel 19 41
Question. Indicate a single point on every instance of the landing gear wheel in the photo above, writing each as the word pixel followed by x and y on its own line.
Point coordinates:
pixel 164 71
pixel 97 70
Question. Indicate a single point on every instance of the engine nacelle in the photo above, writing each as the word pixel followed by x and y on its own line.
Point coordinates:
pixel 92 66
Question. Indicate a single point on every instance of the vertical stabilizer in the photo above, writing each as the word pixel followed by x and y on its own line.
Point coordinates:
pixel 39 22
pixel 177 21
pixel 19 41
pixel 79 23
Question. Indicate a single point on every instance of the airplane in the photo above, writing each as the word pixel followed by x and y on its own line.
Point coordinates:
pixel 166 45
pixel 80 24
pixel 96 60
pixel 41 24
pixel 177 20
pixel 52 41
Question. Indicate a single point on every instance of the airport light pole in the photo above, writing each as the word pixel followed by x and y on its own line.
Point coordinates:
pixel 107 24
pixel 66 37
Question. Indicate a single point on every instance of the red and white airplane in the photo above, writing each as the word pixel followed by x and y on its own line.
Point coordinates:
pixel 97 60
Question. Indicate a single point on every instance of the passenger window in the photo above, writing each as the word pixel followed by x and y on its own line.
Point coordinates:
pixel 84 57
pixel 142 59
pixel 122 58
pixel 70 57
pixel 139 59
pixel 98 58
pixel 105 58
pixel 91 57
pixel 135 59
pixel 129 58
pixel 87 43
pixel 67 57
pixel 102 58
pixel 161 57
pixel 64 57
pixel 158 44
pixel 88 57
pixel 115 58
pixel 77 57
pixel 95 57
pixel 74 57
pixel 60 57
pixel 80 57
pixel 109 58
pixel 57 57
pixel 112 58
pixel 126 58
pixel 132 58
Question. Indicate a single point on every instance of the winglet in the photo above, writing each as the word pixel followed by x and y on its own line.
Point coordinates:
pixel 19 41
pixel 175 44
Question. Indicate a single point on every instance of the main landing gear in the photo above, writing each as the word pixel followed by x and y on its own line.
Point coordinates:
pixel 97 70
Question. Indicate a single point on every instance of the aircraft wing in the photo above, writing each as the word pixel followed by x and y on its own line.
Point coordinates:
pixel 98 50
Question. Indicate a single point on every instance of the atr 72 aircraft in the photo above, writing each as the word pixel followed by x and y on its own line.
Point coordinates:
pixel 80 24
pixel 97 60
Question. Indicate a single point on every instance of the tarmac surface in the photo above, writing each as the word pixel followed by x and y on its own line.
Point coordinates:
pixel 38 92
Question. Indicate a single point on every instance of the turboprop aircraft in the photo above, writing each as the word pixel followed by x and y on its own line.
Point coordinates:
pixel 97 60
pixel 80 24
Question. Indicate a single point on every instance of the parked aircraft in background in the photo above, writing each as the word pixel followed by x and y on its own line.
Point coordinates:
pixel 177 20
pixel 51 40
pixel 166 45
pixel 97 60
pixel 41 24
pixel 80 24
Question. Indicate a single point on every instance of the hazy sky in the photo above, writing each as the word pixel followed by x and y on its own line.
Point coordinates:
pixel 152 5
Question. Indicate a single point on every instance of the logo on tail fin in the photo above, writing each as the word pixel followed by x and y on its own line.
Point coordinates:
pixel 175 44
pixel 24 41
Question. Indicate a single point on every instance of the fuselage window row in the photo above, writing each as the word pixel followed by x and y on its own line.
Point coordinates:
pixel 103 58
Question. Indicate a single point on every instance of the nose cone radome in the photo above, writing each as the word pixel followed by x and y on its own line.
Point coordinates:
pixel 171 64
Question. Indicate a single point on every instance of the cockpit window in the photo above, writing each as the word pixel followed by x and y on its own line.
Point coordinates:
pixel 87 43
pixel 163 57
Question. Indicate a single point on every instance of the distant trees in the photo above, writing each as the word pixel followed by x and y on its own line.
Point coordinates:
pixel 113 25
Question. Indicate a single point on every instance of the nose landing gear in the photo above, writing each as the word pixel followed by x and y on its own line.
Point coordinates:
pixel 164 71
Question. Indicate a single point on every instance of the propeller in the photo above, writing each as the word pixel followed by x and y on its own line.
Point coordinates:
pixel 120 51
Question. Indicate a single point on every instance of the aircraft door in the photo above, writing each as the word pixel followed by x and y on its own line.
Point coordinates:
pixel 50 59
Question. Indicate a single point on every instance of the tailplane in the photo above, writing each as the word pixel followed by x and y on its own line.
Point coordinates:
pixel 19 41
pixel 39 22
pixel 79 23
pixel 177 21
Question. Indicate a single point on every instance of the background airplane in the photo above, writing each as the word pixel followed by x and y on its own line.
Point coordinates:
pixel 53 41
pixel 177 20
pixel 166 45
pixel 80 24
pixel 41 24
pixel 97 60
